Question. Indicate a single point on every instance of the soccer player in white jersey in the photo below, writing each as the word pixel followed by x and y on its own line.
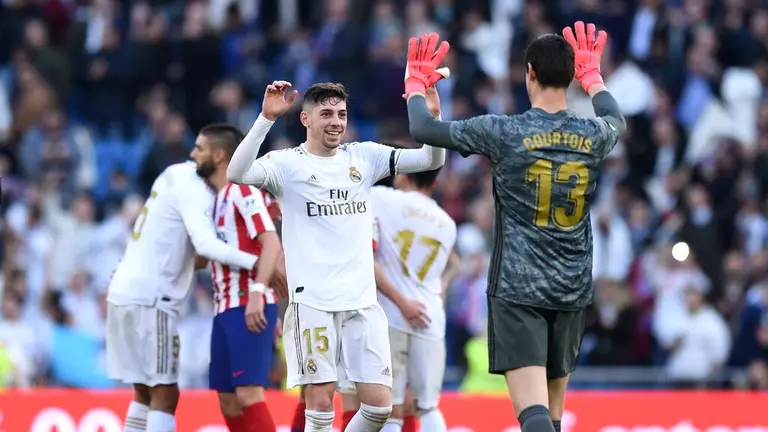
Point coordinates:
pixel 149 286
pixel 339 331
pixel 416 239
pixel 242 341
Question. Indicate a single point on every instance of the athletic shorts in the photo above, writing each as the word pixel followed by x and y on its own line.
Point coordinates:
pixel 418 364
pixel 240 357
pixel 142 345
pixel 520 336
pixel 324 347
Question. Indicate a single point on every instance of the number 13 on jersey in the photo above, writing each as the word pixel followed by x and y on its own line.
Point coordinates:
pixel 544 175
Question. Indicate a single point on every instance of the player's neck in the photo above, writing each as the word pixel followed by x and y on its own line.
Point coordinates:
pixel 315 148
pixel 218 179
pixel 549 100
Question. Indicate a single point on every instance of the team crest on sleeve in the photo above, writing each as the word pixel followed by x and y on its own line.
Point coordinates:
pixel 355 175
pixel 311 366
pixel 251 205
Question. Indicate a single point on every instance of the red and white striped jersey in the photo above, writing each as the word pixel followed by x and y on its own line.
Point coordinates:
pixel 240 215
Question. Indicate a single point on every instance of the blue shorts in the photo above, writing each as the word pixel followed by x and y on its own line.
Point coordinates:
pixel 240 357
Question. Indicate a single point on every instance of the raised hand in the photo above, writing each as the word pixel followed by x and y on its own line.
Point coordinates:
pixel 587 52
pixel 275 102
pixel 424 57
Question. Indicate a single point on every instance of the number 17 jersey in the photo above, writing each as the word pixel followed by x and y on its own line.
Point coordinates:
pixel 415 239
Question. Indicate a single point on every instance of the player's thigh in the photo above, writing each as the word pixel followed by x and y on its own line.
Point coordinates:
pixel 219 370
pixel 426 371
pixel 161 335
pixel 250 353
pixel 566 333
pixel 311 342
pixel 142 346
pixel 399 343
pixel 122 344
pixel 365 350
pixel 517 336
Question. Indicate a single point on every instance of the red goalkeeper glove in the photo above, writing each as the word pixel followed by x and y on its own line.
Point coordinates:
pixel 587 52
pixel 424 56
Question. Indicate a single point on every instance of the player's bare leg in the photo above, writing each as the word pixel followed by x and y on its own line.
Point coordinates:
pixel 136 417
pixel 375 408
pixel 409 412
pixel 528 389
pixel 162 405
pixel 557 388
pixel 297 424
pixel 350 404
pixel 246 410
pixel 319 401
pixel 401 413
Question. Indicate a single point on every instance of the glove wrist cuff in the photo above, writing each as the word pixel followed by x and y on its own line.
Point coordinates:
pixel 414 85
pixel 590 79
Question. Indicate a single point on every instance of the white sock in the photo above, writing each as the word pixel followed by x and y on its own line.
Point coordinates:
pixel 318 421
pixel 432 421
pixel 369 418
pixel 136 417
pixel 158 421
pixel 393 425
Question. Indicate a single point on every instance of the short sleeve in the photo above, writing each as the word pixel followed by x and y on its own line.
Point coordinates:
pixel 251 207
pixel 380 157
pixel 480 135
pixel 274 168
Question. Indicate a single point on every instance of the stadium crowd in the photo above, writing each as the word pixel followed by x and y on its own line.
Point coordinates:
pixel 98 97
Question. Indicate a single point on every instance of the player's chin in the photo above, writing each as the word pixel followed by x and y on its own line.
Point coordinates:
pixel 332 141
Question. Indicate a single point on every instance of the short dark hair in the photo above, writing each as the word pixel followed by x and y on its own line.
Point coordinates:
pixel 223 136
pixel 424 179
pixel 551 59
pixel 321 93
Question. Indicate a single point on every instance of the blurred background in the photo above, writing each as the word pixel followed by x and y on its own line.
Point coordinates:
pixel 98 97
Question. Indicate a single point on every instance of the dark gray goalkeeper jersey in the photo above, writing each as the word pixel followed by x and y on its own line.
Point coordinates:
pixel 545 170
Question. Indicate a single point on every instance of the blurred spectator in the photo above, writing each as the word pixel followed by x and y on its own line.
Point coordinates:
pixel 700 351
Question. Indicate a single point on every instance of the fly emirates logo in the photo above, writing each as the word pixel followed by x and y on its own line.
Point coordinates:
pixel 338 204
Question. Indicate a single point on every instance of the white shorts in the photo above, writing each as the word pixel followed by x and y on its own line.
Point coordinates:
pixel 323 347
pixel 418 364
pixel 142 345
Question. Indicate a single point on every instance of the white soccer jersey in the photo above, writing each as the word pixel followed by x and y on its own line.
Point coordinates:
pixel 327 221
pixel 415 241
pixel 176 221
pixel 240 215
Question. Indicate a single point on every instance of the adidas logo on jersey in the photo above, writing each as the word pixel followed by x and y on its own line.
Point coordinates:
pixel 385 371
pixel 312 179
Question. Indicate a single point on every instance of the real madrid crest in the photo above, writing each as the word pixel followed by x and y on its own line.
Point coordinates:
pixel 355 175
pixel 311 366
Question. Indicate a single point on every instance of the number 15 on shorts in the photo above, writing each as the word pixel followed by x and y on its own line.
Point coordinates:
pixel 315 340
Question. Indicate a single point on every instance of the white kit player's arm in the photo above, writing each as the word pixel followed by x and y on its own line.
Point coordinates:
pixel 203 235
pixel 450 272
pixel 244 168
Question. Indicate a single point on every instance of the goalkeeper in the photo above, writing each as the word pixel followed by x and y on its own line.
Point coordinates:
pixel 545 168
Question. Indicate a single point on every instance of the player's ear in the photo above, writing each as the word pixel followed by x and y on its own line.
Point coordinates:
pixel 531 74
pixel 304 117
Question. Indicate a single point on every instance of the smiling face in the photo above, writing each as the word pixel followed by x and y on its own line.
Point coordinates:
pixel 325 115
pixel 326 123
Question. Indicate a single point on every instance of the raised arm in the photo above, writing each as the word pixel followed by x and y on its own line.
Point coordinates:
pixel 607 108
pixel 244 168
